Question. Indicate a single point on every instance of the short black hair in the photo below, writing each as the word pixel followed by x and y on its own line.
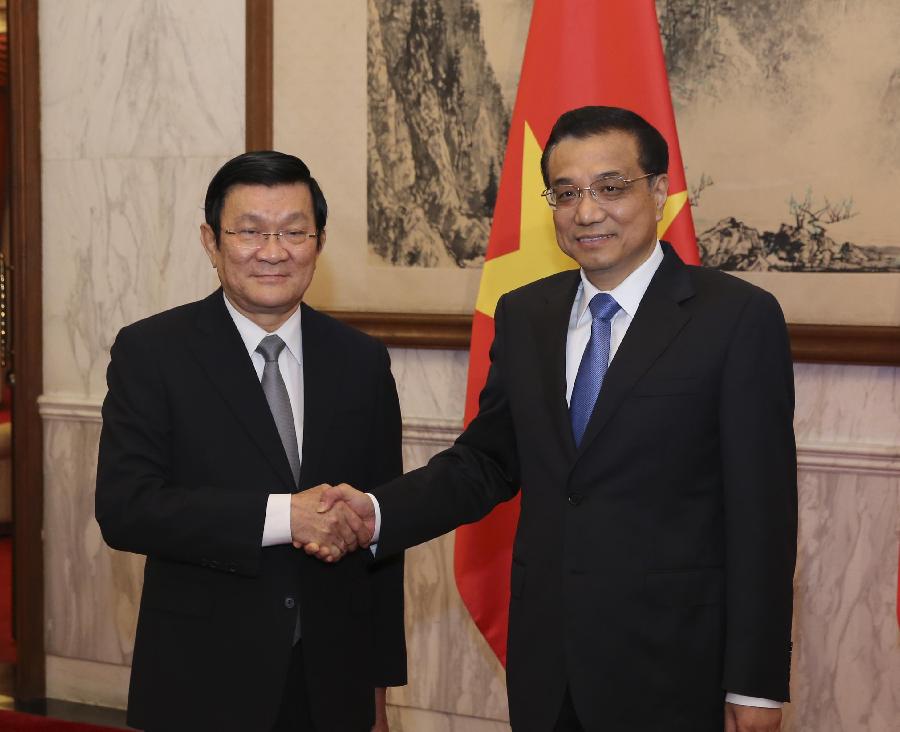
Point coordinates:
pixel 653 151
pixel 261 168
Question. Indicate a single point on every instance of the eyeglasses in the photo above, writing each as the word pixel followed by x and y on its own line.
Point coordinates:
pixel 604 190
pixel 255 239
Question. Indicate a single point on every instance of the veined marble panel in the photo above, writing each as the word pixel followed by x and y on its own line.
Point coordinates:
pixel 121 241
pixel 92 592
pixel 431 384
pixel 451 667
pixel 854 405
pixel 846 673
pixel 138 78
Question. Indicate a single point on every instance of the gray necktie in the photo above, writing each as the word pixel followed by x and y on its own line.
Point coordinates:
pixel 277 396
pixel 280 406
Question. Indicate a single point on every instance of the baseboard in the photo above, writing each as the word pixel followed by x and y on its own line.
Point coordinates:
pixel 87 682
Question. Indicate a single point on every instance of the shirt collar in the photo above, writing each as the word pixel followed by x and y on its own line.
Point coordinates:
pixel 252 334
pixel 627 293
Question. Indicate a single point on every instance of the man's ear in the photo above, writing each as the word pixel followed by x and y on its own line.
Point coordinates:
pixel 320 241
pixel 660 191
pixel 209 243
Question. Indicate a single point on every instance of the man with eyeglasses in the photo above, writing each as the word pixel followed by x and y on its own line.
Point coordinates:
pixel 223 421
pixel 644 408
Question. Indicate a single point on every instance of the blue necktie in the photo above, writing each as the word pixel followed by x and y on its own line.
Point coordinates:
pixel 593 364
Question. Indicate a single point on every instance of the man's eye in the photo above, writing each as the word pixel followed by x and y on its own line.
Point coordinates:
pixel 296 233
pixel 610 190
pixel 248 232
pixel 565 194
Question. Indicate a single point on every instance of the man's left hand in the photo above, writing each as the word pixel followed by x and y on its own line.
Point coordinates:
pixel 739 718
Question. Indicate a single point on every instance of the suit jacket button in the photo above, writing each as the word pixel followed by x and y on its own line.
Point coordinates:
pixel 575 498
pixel 289 603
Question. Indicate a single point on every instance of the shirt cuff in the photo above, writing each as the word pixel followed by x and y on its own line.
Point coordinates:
pixel 374 545
pixel 752 701
pixel 277 528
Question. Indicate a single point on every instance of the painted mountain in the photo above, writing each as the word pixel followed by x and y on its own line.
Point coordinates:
pixel 437 132
pixel 732 245
pixel 774 97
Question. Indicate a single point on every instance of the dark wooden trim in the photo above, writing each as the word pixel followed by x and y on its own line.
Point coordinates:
pixel 27 346
pixel 813 343
pixel 412 330
pixel 856 344
pixel 872 345
pixel 258 69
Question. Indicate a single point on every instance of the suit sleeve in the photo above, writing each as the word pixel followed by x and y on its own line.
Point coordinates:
pixel 760 492
pixel 386 463
pixel 139 505
pixel 462 484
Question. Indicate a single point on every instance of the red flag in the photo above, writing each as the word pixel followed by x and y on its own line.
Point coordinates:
pixel 611 55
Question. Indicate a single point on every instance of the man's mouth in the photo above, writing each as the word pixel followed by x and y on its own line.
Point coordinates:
pixel 593 238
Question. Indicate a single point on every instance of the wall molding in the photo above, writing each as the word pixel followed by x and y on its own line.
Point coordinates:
pixel 866 459
pixel 69 408
pixel 831 457
pixel 440 432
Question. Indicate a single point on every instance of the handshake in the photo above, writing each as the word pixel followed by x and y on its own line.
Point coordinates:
pixel 329 521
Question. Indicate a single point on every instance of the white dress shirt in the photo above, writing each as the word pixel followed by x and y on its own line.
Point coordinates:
pixel 628 294
pixel 277 528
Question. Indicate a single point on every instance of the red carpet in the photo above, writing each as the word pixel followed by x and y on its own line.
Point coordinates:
pixel 7 645
pixel 18 722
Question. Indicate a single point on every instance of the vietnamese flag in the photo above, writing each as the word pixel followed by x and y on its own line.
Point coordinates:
pixel 603 52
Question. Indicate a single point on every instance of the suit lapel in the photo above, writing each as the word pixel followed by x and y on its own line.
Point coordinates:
pixel 552 326
pixel 324 367
pixel 222 354
pixel 658 320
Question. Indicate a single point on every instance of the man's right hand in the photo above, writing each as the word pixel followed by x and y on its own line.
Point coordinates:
pixel 344 499
pixel 329 534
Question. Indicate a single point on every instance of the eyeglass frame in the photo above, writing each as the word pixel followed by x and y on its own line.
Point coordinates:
pixel 594 194
pixel 266 234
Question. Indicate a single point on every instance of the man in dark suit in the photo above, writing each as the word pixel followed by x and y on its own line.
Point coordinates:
pixel 645 409
pixel 224 419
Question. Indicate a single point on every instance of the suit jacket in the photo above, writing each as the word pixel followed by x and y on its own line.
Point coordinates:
pixel 652 566
pixel 189 453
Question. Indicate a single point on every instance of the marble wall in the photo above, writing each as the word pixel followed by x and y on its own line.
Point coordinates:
pixel 141 101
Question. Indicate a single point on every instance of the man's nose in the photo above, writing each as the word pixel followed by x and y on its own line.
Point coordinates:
pixel 588 210
pixel 272 250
